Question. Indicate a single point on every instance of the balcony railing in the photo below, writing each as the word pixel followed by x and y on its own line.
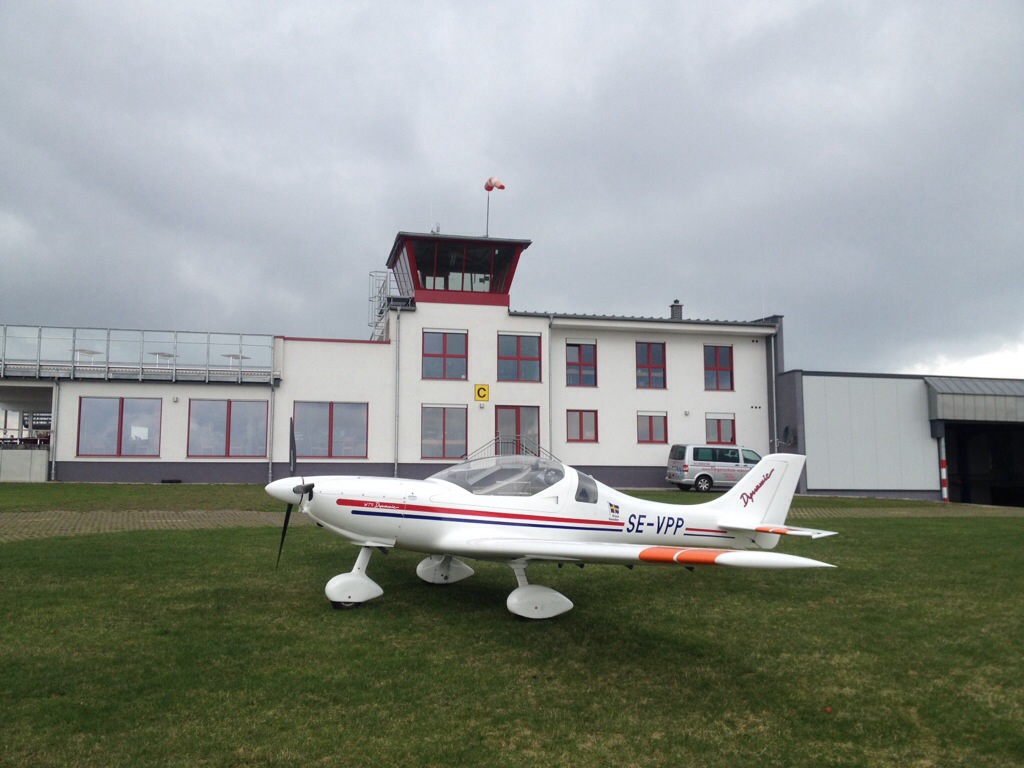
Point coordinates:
pixel 110 354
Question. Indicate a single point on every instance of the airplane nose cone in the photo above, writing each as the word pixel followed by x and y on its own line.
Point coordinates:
pixel 285 490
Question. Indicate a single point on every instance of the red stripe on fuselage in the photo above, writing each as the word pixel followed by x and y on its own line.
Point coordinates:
pixel 414 508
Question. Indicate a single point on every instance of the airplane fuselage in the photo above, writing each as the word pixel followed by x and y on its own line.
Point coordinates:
pixel 417 515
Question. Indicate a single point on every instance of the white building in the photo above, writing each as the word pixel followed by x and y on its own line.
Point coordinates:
pixel 448 368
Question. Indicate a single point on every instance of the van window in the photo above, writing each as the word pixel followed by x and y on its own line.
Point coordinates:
pixel 703 454
pixel 678 453
pixel 749 457
pixel 727 455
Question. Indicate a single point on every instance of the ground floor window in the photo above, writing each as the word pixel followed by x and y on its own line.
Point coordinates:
pixel 581 426
pixel 119 426
pixel 235 428
pixel 331 430
pixel 517 428
pixel 443 432
pixel 721 428
pixel 651 427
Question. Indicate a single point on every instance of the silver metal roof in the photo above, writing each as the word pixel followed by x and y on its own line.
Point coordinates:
pixel 955 385
pixel 956 398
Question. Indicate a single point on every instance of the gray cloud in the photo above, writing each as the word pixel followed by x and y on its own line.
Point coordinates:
pixel 857 168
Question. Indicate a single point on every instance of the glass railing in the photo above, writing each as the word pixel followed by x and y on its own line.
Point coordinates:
pixel 42 352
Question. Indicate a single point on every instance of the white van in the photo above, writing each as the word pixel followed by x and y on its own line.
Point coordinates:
pixel 704 467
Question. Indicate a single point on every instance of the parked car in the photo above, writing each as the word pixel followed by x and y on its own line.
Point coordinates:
pixel 703 467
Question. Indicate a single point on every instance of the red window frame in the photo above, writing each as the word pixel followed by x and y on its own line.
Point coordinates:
pixel 330 430
pixel 713 429
pixel 445 355
pixel 518 440
pixel 651 367
pixel 120 428
pixel 577 418
pixel 650 419
pixel 227 431
pixel 446 454
pixel 580 365
pixel 715 371
pixel 519 357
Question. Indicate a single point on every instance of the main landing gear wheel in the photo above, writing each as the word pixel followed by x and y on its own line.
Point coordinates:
pixel 340 606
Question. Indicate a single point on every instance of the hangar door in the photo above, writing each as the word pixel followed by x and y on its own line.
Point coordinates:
pixel 982 424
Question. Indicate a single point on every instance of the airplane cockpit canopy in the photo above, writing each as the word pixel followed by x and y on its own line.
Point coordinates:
pixel 504 475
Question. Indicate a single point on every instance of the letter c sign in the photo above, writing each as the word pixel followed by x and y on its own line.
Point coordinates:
pixel 482 392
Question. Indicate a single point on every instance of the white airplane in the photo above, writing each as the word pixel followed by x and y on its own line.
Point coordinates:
pixel 524 509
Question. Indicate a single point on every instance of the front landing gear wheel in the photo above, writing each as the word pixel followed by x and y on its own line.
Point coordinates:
pixel 339 606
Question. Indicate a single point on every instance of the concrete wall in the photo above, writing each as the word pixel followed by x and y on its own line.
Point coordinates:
pixel 24 466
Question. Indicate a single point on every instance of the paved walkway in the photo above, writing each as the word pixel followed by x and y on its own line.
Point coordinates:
pixel 16 526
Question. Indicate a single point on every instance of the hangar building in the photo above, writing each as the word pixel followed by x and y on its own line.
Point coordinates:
pixel 960 439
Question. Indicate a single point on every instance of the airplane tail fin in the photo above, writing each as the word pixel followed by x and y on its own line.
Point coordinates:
pixel 759 503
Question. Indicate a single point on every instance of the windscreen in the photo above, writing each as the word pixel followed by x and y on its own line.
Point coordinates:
pixel 504 475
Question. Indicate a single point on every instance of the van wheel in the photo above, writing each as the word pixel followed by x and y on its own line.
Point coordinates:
pixel 680 486
pixel 702 484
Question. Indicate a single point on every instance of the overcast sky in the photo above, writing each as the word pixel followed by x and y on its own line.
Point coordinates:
pixel 857 167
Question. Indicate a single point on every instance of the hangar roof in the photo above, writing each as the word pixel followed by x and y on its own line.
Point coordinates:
pixel 968 399
pixel 950 385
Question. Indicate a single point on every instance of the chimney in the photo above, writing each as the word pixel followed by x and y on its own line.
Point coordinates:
pixel 677 310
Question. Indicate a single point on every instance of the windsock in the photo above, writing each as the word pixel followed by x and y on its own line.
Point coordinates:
pixel 493 183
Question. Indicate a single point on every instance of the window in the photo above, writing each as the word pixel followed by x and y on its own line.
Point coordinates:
pixel 650 365
pixel 581 365
pixel 236 428
pixel 717 455
pixel 721 428
pixel 443 432
pixel 332 430
pixel 444 355
pixel 581 426
pixel 518 358
pixel 718 368
pixel 119 426
pixel 517 428
pixel 652 428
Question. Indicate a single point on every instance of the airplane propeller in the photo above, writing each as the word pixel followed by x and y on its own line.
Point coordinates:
pixel 299 490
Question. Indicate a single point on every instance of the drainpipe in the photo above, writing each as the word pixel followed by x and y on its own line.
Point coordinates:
pixel 270 448
pixel 551 386
pixel 398 369
pixel 775 398
pixel 53 429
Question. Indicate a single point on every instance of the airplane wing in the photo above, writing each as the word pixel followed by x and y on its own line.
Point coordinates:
pixel 782 530
pixel 623 554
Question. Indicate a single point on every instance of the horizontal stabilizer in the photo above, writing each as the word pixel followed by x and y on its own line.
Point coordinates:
pixel 780 530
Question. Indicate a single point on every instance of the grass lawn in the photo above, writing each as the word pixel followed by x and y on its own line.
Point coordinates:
pixel 187 648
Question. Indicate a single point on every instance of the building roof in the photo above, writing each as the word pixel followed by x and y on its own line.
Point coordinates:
pixel 956 398
pixel 766 322
pixel 962 385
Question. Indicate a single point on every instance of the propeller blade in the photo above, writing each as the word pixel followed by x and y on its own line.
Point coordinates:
pixel 291 447
pixel 284 532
